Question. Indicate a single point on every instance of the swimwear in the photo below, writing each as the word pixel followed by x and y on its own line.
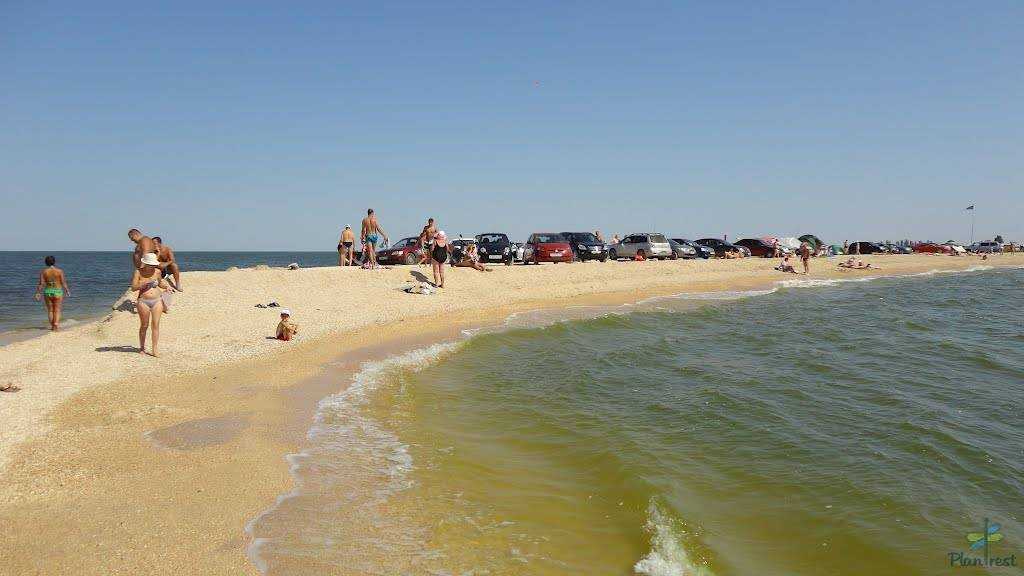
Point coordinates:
pixel 372 239
pixel 439 254
pixel 53 292
pixel 344 246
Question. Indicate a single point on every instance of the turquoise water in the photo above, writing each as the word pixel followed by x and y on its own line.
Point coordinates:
pixel 844 428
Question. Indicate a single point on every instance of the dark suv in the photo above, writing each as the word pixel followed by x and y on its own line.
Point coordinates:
pixel 494 247
pixel 586 246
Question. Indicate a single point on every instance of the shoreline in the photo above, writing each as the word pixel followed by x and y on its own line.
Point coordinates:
pixel 94 457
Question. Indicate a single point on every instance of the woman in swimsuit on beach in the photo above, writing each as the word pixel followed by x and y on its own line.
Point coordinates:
pixel 52 288
pixel 438 256
pixel 148 280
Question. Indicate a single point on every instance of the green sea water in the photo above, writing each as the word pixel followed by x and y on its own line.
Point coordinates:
pixel 841 428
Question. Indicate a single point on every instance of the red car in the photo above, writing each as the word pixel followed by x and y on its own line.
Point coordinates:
pixel 401 252
pixel 932 248
pixel 547 247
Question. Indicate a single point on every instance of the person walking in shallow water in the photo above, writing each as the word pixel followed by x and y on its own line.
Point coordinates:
pixel 52 288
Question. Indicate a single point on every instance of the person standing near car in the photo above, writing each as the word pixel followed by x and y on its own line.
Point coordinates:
pixel 370 235
pixel 426 240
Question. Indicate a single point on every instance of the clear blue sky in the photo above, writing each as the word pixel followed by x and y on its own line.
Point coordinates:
pixel 269 125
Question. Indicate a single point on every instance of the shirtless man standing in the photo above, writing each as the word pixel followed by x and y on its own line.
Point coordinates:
pixel 805 256
pixel 371 235
pixel 426 240
pixel 166 257
pixel 143 244
pixel 346 252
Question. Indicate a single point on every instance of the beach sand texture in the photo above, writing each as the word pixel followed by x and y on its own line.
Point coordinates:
pixel 117 463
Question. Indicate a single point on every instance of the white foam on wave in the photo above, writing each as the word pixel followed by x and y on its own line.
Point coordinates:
pixel 350 429
pixel 667 556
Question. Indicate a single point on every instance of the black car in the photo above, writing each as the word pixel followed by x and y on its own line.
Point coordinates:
pixel 721 247
pixel 586 246
pixel 865 248
pixel 495 247
pixel 702 250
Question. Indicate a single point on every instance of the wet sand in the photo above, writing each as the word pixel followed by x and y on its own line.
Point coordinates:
pixel 122 464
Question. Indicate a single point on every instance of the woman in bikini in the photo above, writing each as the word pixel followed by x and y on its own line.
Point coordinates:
pixel 438 256
pixel 148 280
pixel 52 288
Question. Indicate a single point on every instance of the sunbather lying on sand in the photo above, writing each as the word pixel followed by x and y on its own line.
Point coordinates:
pixel 858 264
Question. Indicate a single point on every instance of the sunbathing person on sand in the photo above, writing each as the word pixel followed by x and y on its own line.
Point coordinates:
pixel 52 288
pixel 286 329
pixel 786 266
pixel 470 259
pixel 154 296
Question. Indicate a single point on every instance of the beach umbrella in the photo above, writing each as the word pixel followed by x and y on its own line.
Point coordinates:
pixel 813 240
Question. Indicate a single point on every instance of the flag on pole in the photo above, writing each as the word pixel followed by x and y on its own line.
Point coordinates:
pixel 971 207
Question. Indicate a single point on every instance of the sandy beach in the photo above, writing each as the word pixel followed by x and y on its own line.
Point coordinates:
pixel 118 463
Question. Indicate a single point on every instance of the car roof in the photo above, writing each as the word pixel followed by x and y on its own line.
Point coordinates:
pixel 493 234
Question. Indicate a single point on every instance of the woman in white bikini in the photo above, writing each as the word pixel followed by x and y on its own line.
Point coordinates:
pixel 152 301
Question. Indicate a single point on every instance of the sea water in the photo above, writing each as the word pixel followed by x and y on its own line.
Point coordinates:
pixel 848 428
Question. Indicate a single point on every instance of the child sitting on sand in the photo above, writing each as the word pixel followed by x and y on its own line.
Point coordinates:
pixel 286 329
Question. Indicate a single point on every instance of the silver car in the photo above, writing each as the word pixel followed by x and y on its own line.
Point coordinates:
pixel 649 244
pixel 988 247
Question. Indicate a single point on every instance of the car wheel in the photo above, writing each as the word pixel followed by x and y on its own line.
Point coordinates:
pixel 603 258
pixel 612 254
pixel 411 258
pixel 674 256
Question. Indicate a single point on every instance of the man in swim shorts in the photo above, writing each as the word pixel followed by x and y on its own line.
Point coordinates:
pixel 805 256
pixel 346 252
pixel 371 235
pixel 143 244
pixel 426 240
pixel 167 262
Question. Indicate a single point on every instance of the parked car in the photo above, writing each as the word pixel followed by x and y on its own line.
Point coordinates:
pixel 547 247
pixel 987 247
pixel 865 248
pixel 586 246
pixel 650 245
pixel 495 247
pixel 700 250
pixel 757 247
pixel 932 248
pixel 896 249
pixel 680 250
pixel 402 252
pixel 721 247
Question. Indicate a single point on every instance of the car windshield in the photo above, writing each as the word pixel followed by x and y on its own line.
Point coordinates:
pixel 659 238
pixel 404 242
pixel 584 237
pixel 544 238
pixel 492 238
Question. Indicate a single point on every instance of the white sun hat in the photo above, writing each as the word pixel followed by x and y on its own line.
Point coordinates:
pixel 286 312
pixel 149 259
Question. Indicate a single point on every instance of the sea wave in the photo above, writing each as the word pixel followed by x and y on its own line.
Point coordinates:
pixel 667 556
pixel 339 424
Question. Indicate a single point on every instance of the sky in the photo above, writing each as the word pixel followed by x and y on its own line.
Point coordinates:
pixel 271 125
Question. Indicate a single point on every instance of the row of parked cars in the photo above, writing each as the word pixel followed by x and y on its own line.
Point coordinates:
pixel 495 247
